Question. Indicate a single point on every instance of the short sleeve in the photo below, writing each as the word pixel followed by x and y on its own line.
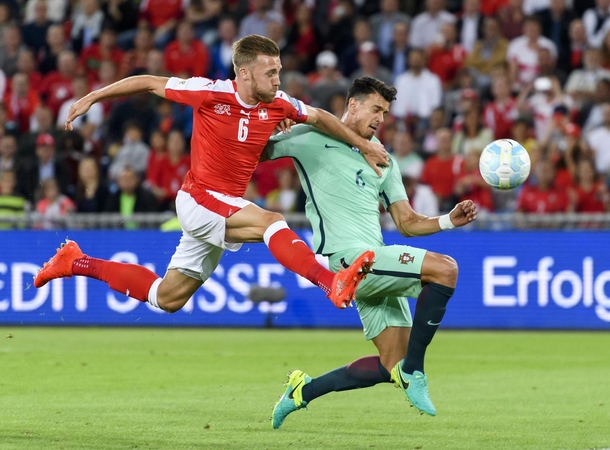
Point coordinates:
pixel 287 144
pixel 191 91
pixel 293 109
pixel 392 190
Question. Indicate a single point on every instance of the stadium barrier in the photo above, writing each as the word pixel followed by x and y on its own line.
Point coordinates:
pixel 508 279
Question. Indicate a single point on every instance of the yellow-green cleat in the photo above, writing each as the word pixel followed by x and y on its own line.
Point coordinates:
pixel 415 387
pixel 292 399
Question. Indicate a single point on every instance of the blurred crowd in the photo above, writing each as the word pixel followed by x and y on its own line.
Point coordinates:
pixel 467 72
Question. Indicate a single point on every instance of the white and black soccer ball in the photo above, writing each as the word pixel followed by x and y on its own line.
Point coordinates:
pixel 504 164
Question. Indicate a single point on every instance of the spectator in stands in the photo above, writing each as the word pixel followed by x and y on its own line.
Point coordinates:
pixel 175 164
pixel 91 191
pixel 9 53
pixel 408 161
pixel 276 31
pixel 162 17
pixel 186 55
pixel 383 24
pixel 500 114
pixel 548 95
pixel 104 49
pixel 122 17
pixel 454 101
pixel 134 60
pixel 598 140
pixel 26 63
pixel 55 11
pixel 368 61
pixel 158 150
pixel 421 197
pixel 488 52
pixel 396 59
pixel 131 197
pixel 473 137
pixel 426 26
pixel 341 22
pixel 87 24
pixel 139 109
pixel 21 102
pixel 56 87
pixel 43 166
pixel 511 19
pixel 258 20
pixel 221 53
pixel 348 57
pixel 446 56
pixel 419 90
pixel 428 144
pixel 53 205
pixel 133 153
pixel 596 22
pixel 204 16
pixel 304 39
pixel 8 153
pixel 41 122
pixel 55 44
pixel 582 83
pixel 12 204
pixel 93 118
pixel 6 20
pixel 555 21
pixel 578 45
pixel 588 194
pixel 543 197
pixel 470 185
pixel 522 132
pixel 284 198
pixel 329 81
pixel 470 25
pixel 34 33
pixel 547 64
pixel 522 53
pixel 442 169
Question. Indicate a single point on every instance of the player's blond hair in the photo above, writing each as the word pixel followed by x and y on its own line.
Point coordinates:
pixel 246 50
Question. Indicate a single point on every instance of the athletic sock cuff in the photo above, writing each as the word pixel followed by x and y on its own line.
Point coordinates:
pixel 442 289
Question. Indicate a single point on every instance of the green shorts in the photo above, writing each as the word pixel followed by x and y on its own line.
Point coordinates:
pixel 381 298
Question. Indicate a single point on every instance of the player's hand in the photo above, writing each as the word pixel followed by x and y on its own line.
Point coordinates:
pixel 285 125
pixel 77 109
pixel 463 213
pixel 376 155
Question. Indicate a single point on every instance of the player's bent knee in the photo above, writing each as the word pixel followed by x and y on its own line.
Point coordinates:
pixel 440 269
pixel 171 304
pixel 273 217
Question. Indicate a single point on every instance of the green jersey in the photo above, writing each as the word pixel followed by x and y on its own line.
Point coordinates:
pixel 343 191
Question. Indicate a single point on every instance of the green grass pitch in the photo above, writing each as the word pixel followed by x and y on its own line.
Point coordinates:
pixel 90 388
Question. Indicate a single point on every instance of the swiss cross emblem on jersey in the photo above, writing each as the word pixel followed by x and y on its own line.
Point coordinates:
pixel 222 109
pixel 262 114
pixel 406 258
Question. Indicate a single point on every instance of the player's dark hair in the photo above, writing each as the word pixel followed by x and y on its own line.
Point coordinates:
pixel 246 50
pixel 364 86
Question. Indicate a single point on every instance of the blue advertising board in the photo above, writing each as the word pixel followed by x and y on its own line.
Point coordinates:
pixel 516 279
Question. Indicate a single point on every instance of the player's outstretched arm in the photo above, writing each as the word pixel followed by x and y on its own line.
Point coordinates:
pixel 410 223
pixel 128 86
pixel 374 153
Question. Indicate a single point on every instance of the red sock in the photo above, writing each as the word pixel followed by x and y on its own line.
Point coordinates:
pixel 128 279
pixel 291 252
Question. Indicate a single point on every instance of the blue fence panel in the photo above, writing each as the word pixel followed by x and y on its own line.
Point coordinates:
pixel 538 280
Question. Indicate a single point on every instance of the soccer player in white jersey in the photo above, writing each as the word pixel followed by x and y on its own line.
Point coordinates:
pixel 342 187
pixel 233 119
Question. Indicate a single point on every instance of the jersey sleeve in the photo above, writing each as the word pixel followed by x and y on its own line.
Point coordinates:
pixel 293 109
pixel 287 144
pixel 191 91
pixel 392 190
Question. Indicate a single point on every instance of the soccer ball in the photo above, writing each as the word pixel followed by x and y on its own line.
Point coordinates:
pixel 504 164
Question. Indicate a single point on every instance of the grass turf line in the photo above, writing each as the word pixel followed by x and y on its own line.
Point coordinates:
pixel 89 388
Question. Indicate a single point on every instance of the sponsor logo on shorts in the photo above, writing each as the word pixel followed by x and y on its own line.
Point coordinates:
pixel 406 258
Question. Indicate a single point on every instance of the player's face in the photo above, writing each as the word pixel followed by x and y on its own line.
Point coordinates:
pixel 369 114
pixel 265 78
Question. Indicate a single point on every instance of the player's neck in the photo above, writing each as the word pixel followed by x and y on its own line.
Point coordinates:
pixel 245 95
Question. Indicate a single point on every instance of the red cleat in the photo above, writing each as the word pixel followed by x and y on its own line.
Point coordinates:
pixel 59 265
pixel 346 282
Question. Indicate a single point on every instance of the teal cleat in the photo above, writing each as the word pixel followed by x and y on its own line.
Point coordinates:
pixel 415 388
pixel 292 399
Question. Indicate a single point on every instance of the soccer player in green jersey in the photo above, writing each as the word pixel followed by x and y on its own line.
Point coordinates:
pixel 343 194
